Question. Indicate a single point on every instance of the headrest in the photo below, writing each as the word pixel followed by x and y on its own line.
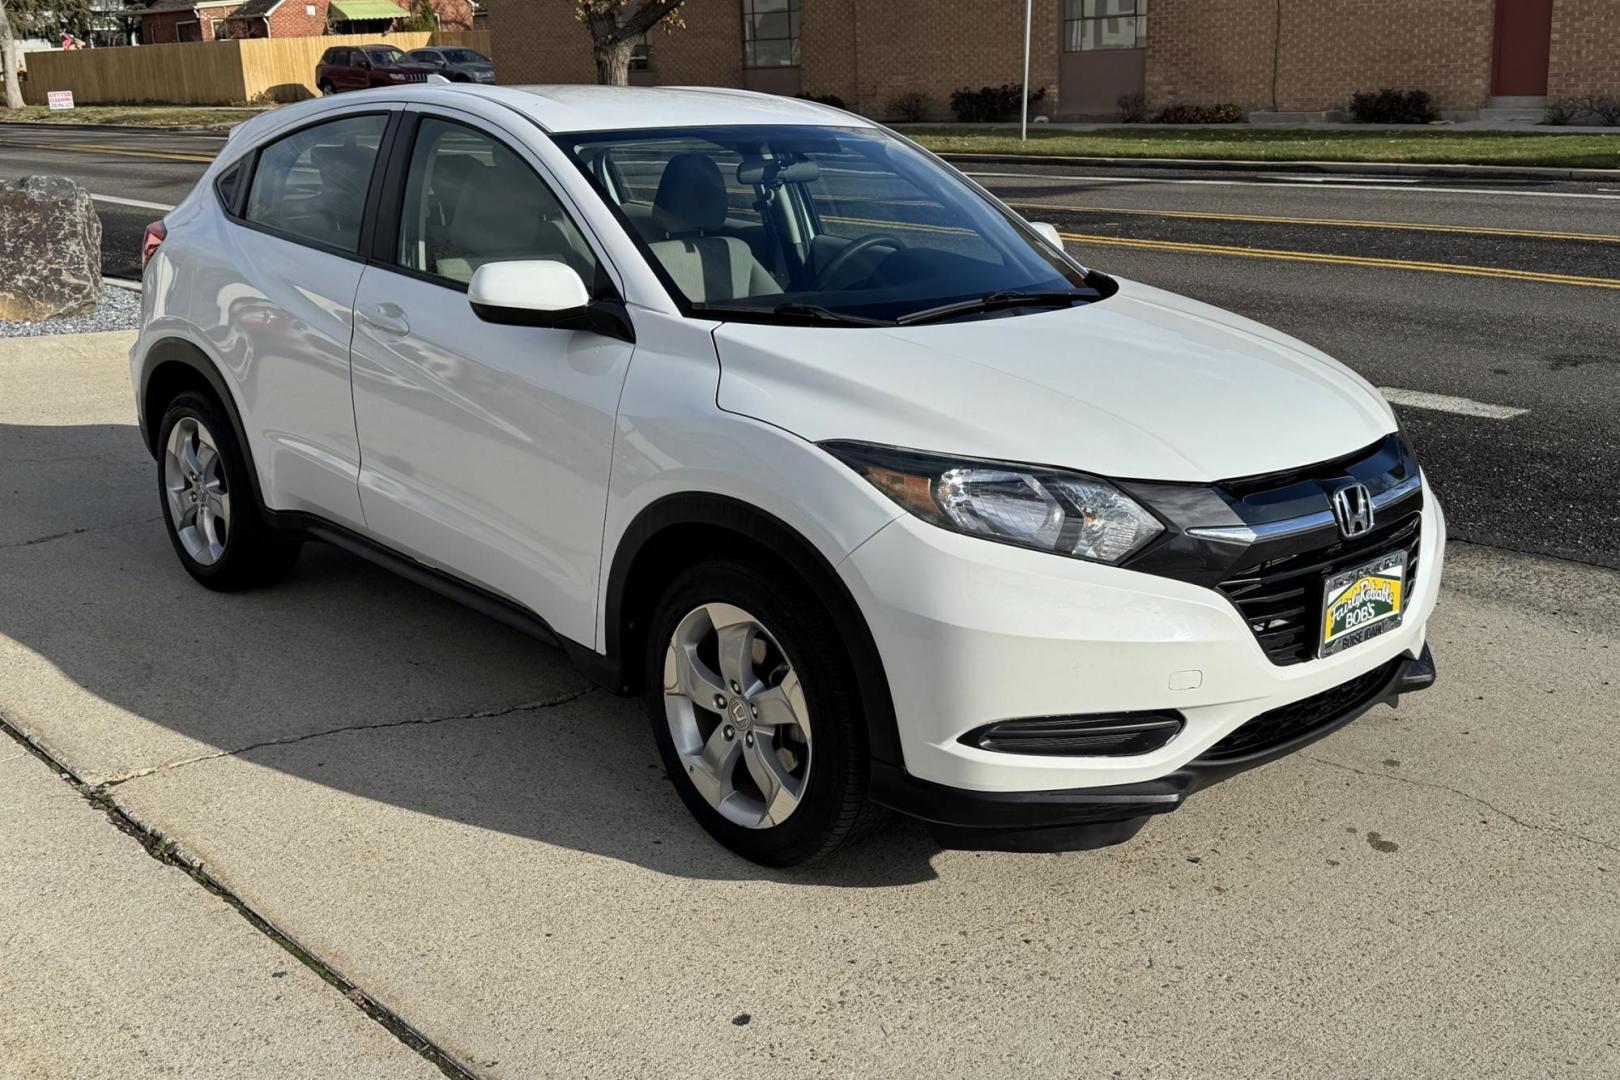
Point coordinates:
pixel 495 214
pixel 691 196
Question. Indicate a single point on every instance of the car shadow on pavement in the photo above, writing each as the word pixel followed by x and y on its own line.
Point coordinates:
pixel 344 676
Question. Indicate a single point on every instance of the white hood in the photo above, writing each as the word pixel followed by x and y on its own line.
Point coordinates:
pixel 1145 385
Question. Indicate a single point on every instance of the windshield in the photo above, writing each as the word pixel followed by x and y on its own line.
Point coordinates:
pixel 386 57
pixel 463 56
pixel 830 224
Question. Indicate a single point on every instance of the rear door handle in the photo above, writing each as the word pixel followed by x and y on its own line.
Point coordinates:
pixel 389 318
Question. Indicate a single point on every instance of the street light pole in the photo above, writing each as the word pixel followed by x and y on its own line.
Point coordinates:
pixel 1029 11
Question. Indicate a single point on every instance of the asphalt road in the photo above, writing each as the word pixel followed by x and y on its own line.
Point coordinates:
pixel 1504 295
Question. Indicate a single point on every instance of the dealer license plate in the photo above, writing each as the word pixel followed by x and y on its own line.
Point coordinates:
pixel 1362 603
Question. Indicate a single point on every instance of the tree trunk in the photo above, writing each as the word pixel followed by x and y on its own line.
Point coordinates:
pixel 613 63
pixel 8 61
pixel 609 48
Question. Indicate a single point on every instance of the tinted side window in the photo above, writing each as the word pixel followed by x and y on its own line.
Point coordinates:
pixel 469 200
pixel 312 184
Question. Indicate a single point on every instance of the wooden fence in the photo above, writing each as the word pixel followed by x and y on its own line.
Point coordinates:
pixel 249 70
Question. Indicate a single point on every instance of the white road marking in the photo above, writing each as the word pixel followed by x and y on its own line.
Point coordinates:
pixel 1337 186
pixel 1420 399
pixel 137 203
pixel 1293 179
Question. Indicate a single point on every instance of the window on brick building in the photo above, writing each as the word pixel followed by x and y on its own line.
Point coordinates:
pixel 770 33
pixel 1104 24
pixel 640 50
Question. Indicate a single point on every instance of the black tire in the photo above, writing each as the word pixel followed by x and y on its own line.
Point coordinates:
pixel 253 555
pixel 833 810
pixel 327 89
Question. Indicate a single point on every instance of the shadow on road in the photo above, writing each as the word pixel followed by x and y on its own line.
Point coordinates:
pixel 344 675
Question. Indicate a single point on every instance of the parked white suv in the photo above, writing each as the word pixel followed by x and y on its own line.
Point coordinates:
pixel 759 409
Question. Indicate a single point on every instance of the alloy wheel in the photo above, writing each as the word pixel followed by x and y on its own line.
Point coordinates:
pixel 737 716
pixel 198 499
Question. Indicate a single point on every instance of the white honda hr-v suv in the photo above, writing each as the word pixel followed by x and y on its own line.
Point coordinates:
pixel 758 409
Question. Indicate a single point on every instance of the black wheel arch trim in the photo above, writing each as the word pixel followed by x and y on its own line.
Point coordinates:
pixel 177 350
pixel 789 546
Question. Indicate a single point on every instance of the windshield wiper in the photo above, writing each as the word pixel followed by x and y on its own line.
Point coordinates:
pixel 1005 298
pixel 808 312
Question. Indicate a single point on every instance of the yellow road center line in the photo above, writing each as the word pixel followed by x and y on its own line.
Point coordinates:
pixel 90 148
pixel 1341 222
pixel 1346 260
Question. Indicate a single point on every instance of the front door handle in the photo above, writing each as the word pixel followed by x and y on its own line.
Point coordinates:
pixel 389 318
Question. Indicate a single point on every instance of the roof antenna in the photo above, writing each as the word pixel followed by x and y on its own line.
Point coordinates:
pixel 434 78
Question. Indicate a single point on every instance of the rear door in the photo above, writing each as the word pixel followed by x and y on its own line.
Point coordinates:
pixel 285 315
pixel 485 448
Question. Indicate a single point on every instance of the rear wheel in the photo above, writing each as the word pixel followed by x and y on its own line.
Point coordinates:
pixel 213 519
pixel 327 89
pixel 754 708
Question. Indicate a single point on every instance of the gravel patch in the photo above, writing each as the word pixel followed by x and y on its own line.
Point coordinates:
pixel 119 309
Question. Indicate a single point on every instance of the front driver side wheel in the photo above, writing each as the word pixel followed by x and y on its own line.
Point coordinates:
pixel 755 710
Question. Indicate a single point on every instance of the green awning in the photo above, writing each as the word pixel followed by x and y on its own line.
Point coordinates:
pixel 357 10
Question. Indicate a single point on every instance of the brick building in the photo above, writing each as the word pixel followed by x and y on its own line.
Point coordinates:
pixel 1303 56
pixel 166 21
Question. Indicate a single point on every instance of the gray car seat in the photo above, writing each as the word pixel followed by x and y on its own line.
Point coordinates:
pixel 691 204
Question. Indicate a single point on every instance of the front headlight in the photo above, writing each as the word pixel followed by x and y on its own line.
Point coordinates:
pixel 1045 509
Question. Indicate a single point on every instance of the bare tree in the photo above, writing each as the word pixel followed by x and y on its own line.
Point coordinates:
pixel 8 61
pixel 615 25
pixel 35 18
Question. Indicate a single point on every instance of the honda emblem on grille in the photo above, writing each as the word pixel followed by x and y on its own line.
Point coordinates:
pixel 1353 510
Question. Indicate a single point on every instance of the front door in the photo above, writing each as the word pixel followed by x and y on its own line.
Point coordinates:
pixel 485 449
pixel 1523 44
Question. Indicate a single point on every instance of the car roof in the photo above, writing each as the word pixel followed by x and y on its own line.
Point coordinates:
pixel 620 108
pixel 564 109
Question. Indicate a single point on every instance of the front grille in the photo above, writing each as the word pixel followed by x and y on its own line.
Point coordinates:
pixel 1281 599
pixel 1283 724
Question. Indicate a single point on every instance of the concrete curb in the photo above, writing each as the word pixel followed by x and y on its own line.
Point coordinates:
pixel 217 131
pixel 1370 168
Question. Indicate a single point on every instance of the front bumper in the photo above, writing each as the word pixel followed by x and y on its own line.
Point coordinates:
pixel 972 633
pixel 1096 817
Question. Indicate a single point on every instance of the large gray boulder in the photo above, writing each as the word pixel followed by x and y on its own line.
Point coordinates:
pixel 50 248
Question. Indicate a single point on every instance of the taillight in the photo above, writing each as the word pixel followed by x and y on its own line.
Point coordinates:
pixel 155 235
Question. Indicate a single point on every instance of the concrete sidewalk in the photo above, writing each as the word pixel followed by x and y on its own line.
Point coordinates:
pixel 114 965
pixel 441 814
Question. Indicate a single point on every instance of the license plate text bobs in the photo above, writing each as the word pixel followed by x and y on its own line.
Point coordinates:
pixel 1363 602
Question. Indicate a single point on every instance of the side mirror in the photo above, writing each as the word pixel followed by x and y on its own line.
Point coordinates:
pixel 1048 232
pixel 530 292
pixel 535 292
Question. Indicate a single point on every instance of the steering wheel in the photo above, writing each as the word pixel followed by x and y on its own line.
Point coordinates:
pixel 856 247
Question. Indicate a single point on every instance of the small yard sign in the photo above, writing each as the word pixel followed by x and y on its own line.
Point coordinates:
pixel 59 99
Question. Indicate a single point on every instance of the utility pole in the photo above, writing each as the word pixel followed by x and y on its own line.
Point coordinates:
pixel 1029 14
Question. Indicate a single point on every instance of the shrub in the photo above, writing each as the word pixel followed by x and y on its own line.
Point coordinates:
pixel 911 108
pixel 1133 108
pixel 1587 109
pixel 1393 107
pixel 990 103
pixel 1561 111
pixel 825 99
pixel 1199 114
pixel 1606 107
